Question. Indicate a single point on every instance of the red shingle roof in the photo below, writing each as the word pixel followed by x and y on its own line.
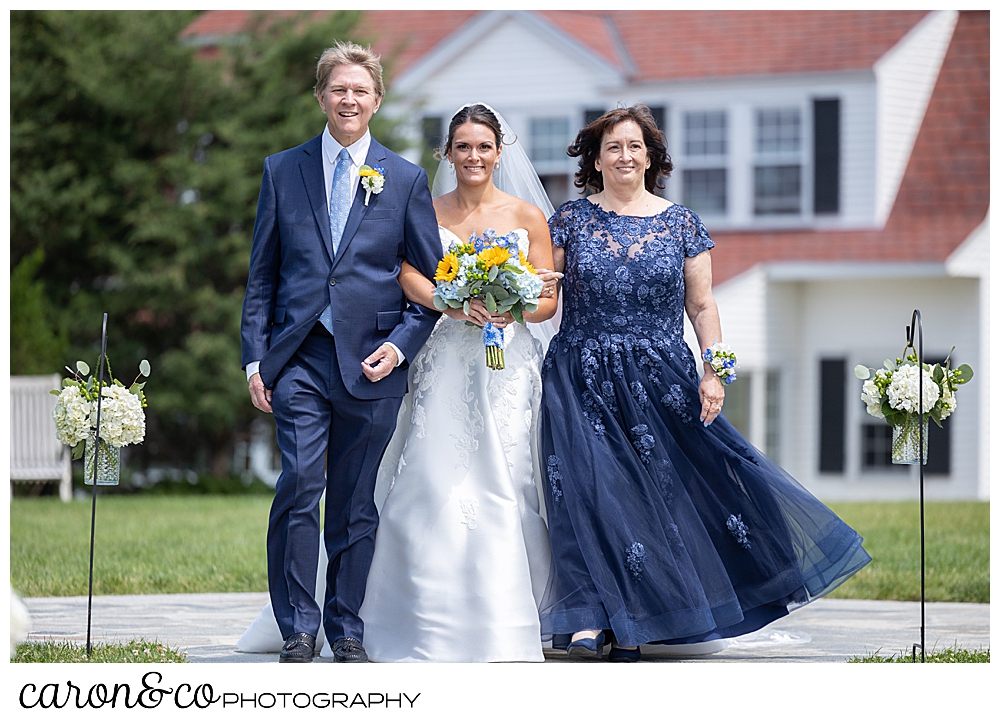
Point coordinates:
pixel 401 37
pixel 660 44
pixel 699 44
pixel 945 193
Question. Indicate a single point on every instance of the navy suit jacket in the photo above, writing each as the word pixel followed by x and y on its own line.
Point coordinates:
pixel 293 275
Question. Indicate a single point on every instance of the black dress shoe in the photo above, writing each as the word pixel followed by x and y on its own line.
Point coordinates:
pixel 349 650
pixel 298 648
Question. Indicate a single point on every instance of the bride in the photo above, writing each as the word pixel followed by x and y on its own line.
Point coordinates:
pixel 462 553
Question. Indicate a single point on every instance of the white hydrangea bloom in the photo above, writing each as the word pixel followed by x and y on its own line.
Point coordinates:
pixel 72 416
pixel 531 286
pixel 871 397
pixel 122 419
pixel 903 390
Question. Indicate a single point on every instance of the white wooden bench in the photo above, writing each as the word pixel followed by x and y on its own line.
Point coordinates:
pixel 35 453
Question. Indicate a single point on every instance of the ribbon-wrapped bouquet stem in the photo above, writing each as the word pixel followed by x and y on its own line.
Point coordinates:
pixel 491 268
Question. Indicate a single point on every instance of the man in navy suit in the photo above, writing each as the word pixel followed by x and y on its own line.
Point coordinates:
pixel 326 332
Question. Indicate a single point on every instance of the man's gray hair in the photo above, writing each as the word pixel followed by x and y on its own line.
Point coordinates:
pixel 348 53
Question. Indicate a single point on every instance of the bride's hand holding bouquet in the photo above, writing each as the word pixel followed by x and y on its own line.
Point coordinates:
pixel 488 272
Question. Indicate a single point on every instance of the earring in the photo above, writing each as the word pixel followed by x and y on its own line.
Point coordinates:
pixel 451 166
pixel 496 166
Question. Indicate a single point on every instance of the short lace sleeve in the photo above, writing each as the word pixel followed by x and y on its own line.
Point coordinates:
pixel 560 224
pixel 696 238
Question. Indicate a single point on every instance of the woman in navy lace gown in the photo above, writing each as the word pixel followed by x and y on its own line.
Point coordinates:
pixel 666 525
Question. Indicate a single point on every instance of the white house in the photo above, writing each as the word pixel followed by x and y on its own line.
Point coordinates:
pixel 840 160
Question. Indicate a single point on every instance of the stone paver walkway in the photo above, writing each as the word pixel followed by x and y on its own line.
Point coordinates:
pixel 207 626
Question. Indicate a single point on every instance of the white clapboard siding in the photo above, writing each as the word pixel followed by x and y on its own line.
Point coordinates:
pixel 35 453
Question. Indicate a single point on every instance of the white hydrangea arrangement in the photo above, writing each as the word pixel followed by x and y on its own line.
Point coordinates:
pixel 123 420
pixel 892 393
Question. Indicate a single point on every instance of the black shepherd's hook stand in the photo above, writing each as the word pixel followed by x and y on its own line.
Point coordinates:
pixel 916 330
pixel 97 451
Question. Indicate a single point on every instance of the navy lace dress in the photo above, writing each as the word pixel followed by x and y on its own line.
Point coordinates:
pixel 662 529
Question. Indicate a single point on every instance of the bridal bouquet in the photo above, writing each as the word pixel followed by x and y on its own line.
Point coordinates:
pixel 893 394
pixel 123 421
pixel 494 269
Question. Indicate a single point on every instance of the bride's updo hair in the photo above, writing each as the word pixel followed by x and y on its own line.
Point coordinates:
pixel 475 113
pixel 587 147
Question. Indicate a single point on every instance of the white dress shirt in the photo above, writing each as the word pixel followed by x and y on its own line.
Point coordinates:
pixel 331 150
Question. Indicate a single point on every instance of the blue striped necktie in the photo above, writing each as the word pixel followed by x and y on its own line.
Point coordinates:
pixel 340 207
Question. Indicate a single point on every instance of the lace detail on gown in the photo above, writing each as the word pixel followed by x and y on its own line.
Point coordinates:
pixel 461 553
pixel 695 533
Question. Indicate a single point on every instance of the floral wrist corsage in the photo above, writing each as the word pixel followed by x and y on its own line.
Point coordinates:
pixel 722 360
pixel 372 180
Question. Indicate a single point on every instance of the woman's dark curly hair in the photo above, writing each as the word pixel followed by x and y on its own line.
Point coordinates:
pixel 587 147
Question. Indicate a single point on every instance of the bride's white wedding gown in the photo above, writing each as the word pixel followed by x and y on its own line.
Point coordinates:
pixel 462 552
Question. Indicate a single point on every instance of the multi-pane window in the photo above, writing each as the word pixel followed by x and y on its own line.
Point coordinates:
pixel 876 447
pixel 549 139
pixel 779 129
pixel 778 170
pixel 777 189
pixel 705 190
pixel 705 133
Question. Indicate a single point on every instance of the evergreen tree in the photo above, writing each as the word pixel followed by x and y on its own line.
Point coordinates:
pixel 135 168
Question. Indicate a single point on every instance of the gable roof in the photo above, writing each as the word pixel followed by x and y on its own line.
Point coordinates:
pixel 945 193
pixel 401 36
pixel 647 45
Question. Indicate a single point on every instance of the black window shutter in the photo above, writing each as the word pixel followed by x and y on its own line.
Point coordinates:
pixel 826 156
pixel 592 114
pixel 659 114
pixel 938 440
pixel 832 411
pixel 433 131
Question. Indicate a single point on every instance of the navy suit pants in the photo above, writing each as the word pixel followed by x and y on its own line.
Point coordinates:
pixel 320 422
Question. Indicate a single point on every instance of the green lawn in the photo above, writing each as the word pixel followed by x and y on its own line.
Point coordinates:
pixel 167 544
pixel 957 550
pixel 135 651
pixel 948 655
pixel 142 545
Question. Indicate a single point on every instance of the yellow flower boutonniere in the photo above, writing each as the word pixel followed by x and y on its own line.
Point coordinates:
pixel 372 180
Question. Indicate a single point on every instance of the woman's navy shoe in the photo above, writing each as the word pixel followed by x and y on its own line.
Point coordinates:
pixel 560 641
pixel 621 655
pixel 585 647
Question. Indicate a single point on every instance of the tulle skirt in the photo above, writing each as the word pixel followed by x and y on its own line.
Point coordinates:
pixel 664 530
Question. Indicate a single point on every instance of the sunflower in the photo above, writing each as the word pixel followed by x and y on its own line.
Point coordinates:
pixel 527 264
pixel 447 268
pixel 494 256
